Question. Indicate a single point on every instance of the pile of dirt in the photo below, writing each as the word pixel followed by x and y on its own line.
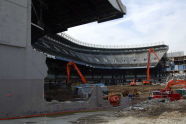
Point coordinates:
pixel 152 112
pixel 154 108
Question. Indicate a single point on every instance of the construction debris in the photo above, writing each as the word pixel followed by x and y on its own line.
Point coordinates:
pixel 154 108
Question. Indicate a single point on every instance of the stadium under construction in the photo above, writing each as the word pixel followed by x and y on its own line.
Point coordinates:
pixel 108 65
pixel 35 56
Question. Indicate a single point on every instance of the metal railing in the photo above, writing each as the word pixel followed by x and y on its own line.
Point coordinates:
pixel 68 37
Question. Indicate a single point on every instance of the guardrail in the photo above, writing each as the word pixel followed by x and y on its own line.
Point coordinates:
pixel 68 37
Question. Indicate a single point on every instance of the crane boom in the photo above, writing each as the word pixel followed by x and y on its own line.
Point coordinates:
pixel 69 64
pixel 150 51
pixel 173 83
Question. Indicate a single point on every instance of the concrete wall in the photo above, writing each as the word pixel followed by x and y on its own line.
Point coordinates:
pixel 22 69
pixel 13 19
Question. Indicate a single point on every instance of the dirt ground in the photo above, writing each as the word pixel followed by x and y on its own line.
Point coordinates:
pixel 165 118
pixel 147 112
pixel 154 112
pixel 142 111
pixel 142 91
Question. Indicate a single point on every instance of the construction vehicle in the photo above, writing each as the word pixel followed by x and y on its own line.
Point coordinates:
pixel 114 99
pixel 69 64
pixel 167 92
pixel 133 83
pixel 150 51
pixel 175 82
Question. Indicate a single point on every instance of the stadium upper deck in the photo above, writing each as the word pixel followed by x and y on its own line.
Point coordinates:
pixel 64 47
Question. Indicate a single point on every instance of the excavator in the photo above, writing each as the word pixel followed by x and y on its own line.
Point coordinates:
pixel 175 82
pixel 114 99
pixel 167 92
pixel 150 51
pixel 148 80
pixel 69 64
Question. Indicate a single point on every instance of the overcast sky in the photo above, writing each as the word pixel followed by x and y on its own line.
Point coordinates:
pixel 147 21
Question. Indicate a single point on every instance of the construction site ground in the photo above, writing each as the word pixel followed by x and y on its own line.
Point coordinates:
pixel 141 111
pixel 143 91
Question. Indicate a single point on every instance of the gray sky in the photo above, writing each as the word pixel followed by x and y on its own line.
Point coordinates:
pixel 147 21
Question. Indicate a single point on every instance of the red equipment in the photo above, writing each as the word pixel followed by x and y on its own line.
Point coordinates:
pixel 174 82
pixel 167 92
pixel 133 83
pixel 84 81
pixel 114 100
pixel 150 51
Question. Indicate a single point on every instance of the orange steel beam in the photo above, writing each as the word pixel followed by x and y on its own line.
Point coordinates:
pixel 150 51
pixel 84 81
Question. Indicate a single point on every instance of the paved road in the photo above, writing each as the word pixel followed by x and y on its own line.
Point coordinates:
pixel 77 118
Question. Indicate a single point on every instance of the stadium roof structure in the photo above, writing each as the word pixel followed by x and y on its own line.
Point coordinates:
pixel 58 15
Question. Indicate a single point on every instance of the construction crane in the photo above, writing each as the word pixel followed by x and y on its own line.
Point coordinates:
pixel 150 51
pixel 69 64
